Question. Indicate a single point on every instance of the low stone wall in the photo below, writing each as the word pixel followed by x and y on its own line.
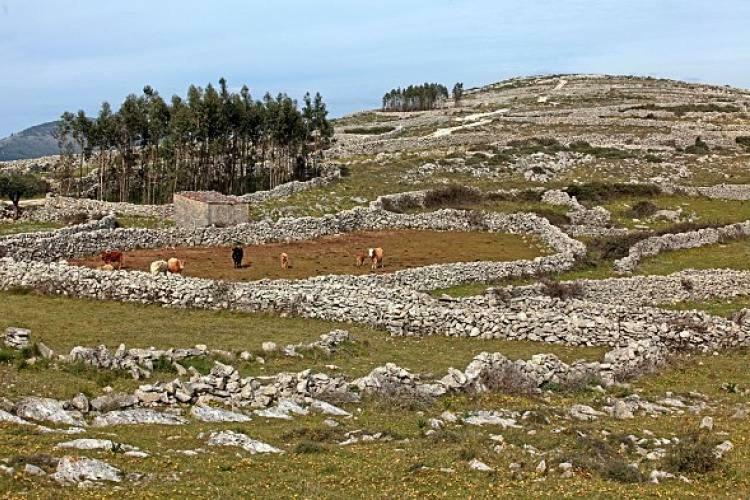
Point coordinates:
pixel 679 241
pixel 57 207
pixel 739 192
pixel 400 310
pixel 684 286
pixel 330 174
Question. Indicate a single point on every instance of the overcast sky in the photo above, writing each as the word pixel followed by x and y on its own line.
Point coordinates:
pixel 58 55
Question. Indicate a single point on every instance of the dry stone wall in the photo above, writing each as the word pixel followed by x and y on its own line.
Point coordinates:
pixel 679 241
pixel 684 286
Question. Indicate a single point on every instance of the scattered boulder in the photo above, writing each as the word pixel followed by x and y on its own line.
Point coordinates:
pixel 72 470
pixel 231 438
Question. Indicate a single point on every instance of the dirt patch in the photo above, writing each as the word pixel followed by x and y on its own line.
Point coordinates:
pixel 336 254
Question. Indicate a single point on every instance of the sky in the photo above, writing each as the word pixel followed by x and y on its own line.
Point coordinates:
pixel 65 55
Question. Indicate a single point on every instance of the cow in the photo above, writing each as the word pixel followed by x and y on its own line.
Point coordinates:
pixel 175 266
pixel 237 255
pixel 113 258
pixel 284 260
pixel 159 267
pixel 376 256
pixel 107 267
pixel 361 256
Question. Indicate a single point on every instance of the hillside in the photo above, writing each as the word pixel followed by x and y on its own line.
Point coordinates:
pixel 33 142
pixel 543 290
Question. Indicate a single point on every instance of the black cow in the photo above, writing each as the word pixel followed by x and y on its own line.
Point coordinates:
pixel 237 255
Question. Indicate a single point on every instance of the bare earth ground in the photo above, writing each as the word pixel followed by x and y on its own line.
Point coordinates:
pixel 336 254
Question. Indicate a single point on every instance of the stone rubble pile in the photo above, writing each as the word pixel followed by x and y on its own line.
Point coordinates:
pixel 17 338
pixel 138 362
pixel 328 343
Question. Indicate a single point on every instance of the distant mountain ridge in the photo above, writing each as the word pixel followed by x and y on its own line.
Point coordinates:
pixel 32 142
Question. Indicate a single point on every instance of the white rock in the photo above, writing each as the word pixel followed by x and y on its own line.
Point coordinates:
pixel 76 470
pixel 480 466
pixel 231 438
pixel 209 414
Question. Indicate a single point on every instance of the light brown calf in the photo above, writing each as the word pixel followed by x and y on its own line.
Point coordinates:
pixel 284 261
pixel 175 266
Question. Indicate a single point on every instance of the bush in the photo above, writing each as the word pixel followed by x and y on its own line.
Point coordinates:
pixel 642 209
pixel 584 147
pixel 563 291
pixel 693 454
pixel 597 192
pixel 317 435
pixel 397 396
pixel 699 148
pixel 743 141
pixel 554 218
pixel 75 218
pixel 451 195
pixel 687 284
pixel 306 447
pixel 508 379
pixel 601 457
pixel 382 129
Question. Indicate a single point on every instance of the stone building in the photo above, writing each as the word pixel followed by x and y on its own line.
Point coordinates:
pixel 208 208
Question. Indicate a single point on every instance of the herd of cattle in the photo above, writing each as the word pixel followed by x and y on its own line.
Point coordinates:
pixel 113 259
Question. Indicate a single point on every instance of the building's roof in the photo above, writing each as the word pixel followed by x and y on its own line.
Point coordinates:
pixel 210 197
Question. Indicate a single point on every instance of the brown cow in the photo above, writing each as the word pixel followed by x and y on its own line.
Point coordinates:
pixel 361 256
pixel 284 260
pixel 376 256
pixel 175 266
pixel 113 258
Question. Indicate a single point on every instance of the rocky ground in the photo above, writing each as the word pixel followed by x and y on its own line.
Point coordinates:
pixel 457 379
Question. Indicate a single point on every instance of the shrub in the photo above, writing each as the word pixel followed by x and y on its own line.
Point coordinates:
pixel 382 129
pixel 563 291
pixel 687 284
pixel 743 141
pixel 601 457
pixel 317 435
pixel 699 148
pixel 605 153
pixel 642 209
pixel 508 379
pixel 693 454
pixel 596 192
pixel 75 218
pixel 306 447
pixel 451 195
pixel 652 158
pixel 554 218
pixel 468 454
pixel 397 396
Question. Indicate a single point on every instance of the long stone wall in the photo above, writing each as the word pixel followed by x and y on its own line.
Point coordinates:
pixel 679 241
pixel 684 286
pixel 400 310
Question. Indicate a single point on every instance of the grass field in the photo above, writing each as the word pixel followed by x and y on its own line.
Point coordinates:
pixel 412 465
pixel 8 228
pixel 337 254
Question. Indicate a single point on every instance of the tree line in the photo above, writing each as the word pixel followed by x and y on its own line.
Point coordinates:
pixel 213 139
pixel 420 97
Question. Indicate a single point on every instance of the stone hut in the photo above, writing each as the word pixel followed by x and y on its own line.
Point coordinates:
pixel 208 208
